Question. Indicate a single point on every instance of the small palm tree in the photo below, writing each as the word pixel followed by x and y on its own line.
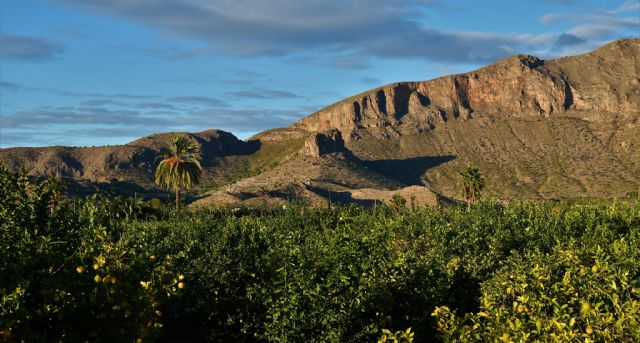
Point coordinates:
pixel 57 190
pixel 472 184
pixel 179 169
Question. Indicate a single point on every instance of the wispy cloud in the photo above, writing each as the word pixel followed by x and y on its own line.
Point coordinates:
pixel 344 33
pixel 9 86
pixel 27 49
pixel 75 94
pixel 47 116
pixel 202 100
pixel 80 123
pixel 370 81
pixel 103 102
pixel 591 28
pixel 73 30
pixel 155 106
pixel 262 94
pixel 567 39
pixel 243 120
pixel 346 36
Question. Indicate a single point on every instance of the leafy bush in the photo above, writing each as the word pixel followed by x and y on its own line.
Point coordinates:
pixel 568 295
pixel 66 274
pixel 536 270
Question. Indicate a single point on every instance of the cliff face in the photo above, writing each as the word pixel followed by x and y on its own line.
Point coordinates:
pixel 323 143
pixel 561 128
pixel 604 80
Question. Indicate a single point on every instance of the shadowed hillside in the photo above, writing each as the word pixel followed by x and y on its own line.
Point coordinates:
pixel 552 129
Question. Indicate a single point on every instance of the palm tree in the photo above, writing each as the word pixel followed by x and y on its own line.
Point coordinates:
pixel 57 190
pixel 179 169
pixel 472 184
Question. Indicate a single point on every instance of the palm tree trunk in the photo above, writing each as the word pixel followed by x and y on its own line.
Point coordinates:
pixel 177 197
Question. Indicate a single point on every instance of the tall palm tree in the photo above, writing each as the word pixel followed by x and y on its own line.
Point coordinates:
pixel 57 190
pixel 472 184
pixel 179 169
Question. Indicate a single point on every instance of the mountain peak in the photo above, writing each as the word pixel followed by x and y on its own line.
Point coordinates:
pixel 519 85
pixel 529 61
pixel 535 128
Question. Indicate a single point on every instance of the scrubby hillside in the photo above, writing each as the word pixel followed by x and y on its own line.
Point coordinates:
pixel 552 129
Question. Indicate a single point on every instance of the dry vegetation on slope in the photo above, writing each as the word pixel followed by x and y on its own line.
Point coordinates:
pixel 553 129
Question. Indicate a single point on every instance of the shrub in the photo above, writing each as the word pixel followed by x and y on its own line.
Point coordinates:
pixel 66 274
pixel 525 271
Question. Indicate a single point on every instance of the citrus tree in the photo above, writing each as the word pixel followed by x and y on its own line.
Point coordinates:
pixel 472 184
pixel 179 168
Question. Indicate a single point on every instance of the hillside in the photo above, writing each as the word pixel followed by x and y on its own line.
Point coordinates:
pixel 536 129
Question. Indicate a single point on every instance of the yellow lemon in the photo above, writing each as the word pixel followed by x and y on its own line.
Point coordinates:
pixel 181 285
pixel 96 266
pixel 97 278
pixel 153 258
pixel 80 269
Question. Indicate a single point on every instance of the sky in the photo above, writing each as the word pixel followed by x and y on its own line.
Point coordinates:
pixel 104 72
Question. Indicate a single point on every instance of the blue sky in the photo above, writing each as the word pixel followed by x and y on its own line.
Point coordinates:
pixel 100 72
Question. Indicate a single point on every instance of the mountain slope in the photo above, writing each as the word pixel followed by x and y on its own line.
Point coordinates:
pixel 605 80
pixel 323 171
pixel 568 127
pixel 560 128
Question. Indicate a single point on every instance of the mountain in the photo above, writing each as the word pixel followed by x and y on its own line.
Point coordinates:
pixel 568 127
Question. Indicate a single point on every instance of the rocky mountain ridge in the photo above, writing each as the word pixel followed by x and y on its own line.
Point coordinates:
pixel 560 128
pixel 521 85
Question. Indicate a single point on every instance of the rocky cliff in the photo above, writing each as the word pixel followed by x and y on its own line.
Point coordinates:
pixel 605 80
pixel 553 129
pixel 322 143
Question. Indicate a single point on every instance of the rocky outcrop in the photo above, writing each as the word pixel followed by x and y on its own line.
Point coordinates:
pixel 565 127
pixel 323 143
pixel 607 79
pixel 520 85
pixel 107 162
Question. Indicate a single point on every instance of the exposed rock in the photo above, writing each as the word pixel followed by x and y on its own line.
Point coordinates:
pixel 322 143
pixel 103 163
pixel 520 86
pixel 279 134
pixel 552 129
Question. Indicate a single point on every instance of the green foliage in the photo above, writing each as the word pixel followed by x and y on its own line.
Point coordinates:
pixel 472 185
pixel 67 274
pixel 568 295
pixel 396 337
pixel 528 271
pixel 180 168
pixel 398 202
